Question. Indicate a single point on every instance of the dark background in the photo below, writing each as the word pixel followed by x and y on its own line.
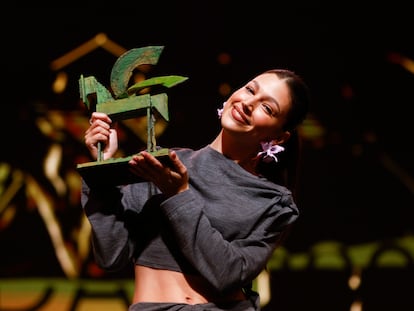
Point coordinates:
pixel 356 182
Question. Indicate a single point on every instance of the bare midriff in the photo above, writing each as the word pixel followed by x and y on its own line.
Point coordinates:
pixel 157 285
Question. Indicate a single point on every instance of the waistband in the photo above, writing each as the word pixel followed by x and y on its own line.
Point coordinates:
pixel 244 305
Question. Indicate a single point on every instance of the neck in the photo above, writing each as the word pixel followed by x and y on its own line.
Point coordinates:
pixel 242 154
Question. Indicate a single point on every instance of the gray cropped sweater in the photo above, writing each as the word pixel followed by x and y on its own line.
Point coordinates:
pixel 224 228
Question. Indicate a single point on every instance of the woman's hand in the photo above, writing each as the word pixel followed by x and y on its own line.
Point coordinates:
pixel 101 130
pixel 170 180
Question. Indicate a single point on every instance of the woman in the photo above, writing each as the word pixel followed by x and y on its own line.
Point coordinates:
pixel 202 229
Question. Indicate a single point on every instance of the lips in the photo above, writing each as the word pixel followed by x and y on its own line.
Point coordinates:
pixel 239 116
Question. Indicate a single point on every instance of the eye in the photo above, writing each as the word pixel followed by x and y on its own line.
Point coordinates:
pixel 267 108
pixel 250 89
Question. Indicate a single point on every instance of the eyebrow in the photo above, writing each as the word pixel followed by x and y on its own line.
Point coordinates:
pixel 270 98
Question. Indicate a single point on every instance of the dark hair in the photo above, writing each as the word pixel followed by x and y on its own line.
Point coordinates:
pixel 299 96
pixel 285 170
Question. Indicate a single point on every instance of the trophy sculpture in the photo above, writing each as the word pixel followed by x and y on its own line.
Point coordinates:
pixel 126 103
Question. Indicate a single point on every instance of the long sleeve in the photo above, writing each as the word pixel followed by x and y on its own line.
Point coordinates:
pixel 224 227
pixel 112 247
pixel 226 262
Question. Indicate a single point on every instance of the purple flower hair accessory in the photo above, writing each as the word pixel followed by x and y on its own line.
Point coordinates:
pixel 220 111
pixel 269 151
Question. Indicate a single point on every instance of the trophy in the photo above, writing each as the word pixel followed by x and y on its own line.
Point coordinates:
pixel 127 102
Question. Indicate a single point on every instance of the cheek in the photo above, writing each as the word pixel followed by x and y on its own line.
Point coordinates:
pixel 261 119
pixel 265 124
pixel 238 95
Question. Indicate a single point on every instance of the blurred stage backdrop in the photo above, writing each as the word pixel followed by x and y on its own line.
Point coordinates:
pixel 353 246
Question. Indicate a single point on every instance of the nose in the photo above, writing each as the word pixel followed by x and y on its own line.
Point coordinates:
pixel 247 107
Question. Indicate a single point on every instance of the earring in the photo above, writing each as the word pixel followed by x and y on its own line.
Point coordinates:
pixel 269 151
pixel 220 110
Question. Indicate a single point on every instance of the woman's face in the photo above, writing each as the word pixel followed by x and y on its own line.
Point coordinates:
pixel 258 110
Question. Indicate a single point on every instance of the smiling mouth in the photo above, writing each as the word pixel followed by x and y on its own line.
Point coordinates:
pixel 239 115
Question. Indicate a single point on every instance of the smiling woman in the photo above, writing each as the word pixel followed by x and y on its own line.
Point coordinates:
pixel 203 227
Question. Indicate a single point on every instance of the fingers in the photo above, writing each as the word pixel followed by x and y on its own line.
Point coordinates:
pixel 169 179
pixel 178 165
pixel 99 116
pixel 146 165
pixel 148 161
pixel 97 133
pixel 150 167
pixel 100 131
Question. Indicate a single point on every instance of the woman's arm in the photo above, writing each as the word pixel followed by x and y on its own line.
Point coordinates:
pixel 111 245
pixel 226 264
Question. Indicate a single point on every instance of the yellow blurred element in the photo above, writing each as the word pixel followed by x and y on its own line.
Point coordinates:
pixel 100 40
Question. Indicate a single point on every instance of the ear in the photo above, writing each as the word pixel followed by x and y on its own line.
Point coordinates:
pixel 284 137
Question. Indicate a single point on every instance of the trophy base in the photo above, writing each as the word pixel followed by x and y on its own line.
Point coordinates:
pixel 115 171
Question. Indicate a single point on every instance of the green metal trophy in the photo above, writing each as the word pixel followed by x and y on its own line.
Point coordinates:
pixel 127 103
